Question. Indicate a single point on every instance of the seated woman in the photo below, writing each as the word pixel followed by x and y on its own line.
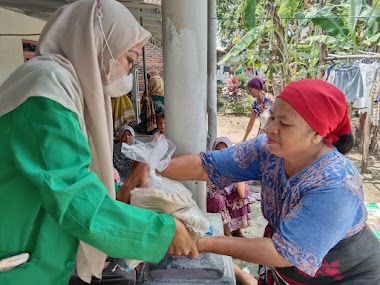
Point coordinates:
pixel 123 164
pixel 231 202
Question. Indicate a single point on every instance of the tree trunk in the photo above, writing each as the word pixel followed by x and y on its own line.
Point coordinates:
pixel 374 147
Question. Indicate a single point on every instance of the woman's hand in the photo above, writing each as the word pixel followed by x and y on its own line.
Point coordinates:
pixel 138 178
pixel 183 243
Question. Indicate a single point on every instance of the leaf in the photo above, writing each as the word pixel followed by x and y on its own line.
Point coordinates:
pixel 249 13
pixel 329 22
pixel 287 9
pixel 355 9
pixel 373 40
pixel 242 44
pixel 329 41
pixel 375 14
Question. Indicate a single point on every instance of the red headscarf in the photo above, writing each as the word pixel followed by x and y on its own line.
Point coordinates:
pixel 322 105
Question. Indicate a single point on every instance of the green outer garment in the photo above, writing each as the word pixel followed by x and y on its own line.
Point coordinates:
pixel 49 200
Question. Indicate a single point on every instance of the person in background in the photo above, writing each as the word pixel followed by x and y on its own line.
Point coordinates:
pixel 153 104
pixel 260 108
pixel 63 213
pixel 232 202
pixel 312 194
pixel 122 113
pixel 123 164
pixel 160 126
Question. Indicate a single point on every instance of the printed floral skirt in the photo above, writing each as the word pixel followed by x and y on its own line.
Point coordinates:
pixel 235 211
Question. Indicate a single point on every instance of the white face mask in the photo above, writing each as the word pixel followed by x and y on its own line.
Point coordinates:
pixel 117 82
pixel 119 87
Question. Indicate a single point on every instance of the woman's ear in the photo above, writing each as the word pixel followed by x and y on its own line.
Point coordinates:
pixel 317 138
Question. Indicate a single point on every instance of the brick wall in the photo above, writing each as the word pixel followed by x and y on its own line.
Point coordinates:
pixel 154 62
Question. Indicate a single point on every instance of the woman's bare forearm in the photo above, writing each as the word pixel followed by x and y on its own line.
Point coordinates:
pixel 186 167
pixel 252 119
pixel 254 250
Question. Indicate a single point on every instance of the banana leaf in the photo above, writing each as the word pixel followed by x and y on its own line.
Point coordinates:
pixel 375 14
pixel 245 41
pixel 328 21
pixel 373 40
pixel 249 13
pixel 355 9
pixel 287 9
pixel 328 40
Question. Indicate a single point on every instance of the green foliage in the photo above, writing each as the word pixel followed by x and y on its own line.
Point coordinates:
pixel 241 106
pixel 248 39
pixel 249 13
pixel 373 40
pixel 328 22
pixel 355 9
pixel 229 21
pixel 243 80
pixel 286 40
pixel 330 41
pixel 287 9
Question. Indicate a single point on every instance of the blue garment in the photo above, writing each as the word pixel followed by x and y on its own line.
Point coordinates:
pixel 259 108
pixel 350 81
pixel 310 212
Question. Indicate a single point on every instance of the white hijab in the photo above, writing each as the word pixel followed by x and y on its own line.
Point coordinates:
pixel 68 61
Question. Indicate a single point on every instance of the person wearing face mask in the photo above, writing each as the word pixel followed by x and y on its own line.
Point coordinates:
pixel 122 113
pixel 57 193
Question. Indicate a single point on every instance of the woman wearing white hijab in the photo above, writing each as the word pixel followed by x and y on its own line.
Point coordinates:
pixel 57 185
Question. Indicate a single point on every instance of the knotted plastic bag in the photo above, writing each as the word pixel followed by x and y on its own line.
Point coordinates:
pixel 163 195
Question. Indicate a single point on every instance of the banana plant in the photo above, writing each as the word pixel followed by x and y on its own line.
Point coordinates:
pixel 348 27
pixel 345 28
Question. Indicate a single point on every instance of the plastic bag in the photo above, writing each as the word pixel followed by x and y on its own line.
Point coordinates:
pixel 164 195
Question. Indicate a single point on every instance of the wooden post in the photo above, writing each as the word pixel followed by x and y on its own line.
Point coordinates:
pixel 365 143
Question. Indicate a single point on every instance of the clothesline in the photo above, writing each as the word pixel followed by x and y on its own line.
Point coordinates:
pixel 353 56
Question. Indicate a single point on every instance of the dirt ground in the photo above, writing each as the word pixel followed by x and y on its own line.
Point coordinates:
pixel 234 127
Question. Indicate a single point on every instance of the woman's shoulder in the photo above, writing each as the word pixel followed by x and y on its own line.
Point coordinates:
pixel 253 149
pixel 334 168
pixel 269 98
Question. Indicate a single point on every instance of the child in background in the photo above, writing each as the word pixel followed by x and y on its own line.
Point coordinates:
pixel 160 126
pixel 231 202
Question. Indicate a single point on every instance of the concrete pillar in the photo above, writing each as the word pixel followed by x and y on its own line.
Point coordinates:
pixel 184 25
pixel 211 74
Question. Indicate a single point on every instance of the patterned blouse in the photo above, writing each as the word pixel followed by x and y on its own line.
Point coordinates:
pixel 310 211
pixel 263 113
pixel 259 108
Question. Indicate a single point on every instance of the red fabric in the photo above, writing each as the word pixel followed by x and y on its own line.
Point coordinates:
pixel 322 105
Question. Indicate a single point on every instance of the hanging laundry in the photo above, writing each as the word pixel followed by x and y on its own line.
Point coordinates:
pixel 368 73
pixel 349 80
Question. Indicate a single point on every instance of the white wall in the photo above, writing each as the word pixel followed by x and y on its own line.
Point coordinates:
pixel 11 54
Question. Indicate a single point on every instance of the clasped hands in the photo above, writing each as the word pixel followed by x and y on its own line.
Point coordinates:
pixel 182 242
